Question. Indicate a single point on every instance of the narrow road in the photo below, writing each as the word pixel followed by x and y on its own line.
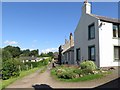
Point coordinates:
pixel 45 78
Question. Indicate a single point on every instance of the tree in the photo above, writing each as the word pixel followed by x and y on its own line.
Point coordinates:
pixel 25 52
pixel 50 54
pixel 15 51
pixel 6 55
pixel 34 53
pixel 44 55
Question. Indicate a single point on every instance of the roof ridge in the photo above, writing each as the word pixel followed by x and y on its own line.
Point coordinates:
pixel 105 16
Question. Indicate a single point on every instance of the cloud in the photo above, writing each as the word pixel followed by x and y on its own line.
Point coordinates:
pixel 29 49
pixel 49 50
pixel 10 42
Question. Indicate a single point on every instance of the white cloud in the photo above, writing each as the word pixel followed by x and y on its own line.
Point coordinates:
pixel 29 49
pixel 10 42
pixel 49 50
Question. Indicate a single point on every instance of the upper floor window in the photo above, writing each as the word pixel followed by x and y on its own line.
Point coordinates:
pixel 91 31
pixel 116 30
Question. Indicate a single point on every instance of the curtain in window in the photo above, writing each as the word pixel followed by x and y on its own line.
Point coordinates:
pixel 117 53
pixel 115 30
pixel 93 53
pixel 92 32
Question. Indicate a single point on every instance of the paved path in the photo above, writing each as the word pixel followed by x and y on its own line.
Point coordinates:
pixel 45 78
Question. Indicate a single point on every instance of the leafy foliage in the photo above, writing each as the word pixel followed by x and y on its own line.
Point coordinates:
pixel 10 68
pixel 15 51
pixel 69 72
pixel 27 52
pixel 12 64
pixel 89 65
pixel 6 55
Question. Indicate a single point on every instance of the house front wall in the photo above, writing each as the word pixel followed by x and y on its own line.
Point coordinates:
pixel 81 38
pixel 68 57
pixel 106 45
pixel 72 57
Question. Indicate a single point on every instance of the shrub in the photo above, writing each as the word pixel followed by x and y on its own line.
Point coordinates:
pixel 86 71
pixel 66 72
pixel 10 68
pixel 90 65
pixel 66 75
pixel 78 71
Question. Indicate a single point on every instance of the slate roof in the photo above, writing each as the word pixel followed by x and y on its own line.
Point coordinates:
pixel 70 49
pixel 108 19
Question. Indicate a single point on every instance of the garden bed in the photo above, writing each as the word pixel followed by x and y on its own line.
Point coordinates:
pixel 75 73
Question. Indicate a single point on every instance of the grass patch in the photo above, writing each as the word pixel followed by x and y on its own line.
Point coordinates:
pixel 84 78
pixel 5 83
pixel 43 69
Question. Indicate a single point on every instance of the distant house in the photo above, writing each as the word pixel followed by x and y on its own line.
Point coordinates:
pixel 31 59
pixel 66 51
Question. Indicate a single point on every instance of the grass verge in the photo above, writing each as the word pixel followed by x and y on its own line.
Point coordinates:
pixel 5 83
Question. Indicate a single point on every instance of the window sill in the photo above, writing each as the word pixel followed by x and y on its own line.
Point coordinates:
pixel 118 60
pixel 91 38
pixel 116 38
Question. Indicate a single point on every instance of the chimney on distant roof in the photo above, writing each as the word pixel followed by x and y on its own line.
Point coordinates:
pixel 86 9
pixel 71 39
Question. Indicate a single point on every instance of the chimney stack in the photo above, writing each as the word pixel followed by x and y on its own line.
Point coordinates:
pixel 71 39
pixel 86 9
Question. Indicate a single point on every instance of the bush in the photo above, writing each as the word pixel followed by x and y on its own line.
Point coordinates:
pixel 65 72
pixel 90 65
pixel 10 69
pixel 78 71
pixel 66 75
pixel 45 62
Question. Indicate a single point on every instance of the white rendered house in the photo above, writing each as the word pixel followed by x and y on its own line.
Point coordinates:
pixel 97 38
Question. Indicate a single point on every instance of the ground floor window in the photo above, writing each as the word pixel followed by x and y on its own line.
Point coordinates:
pixel 78 54
pixel 91 53
pixel 116 52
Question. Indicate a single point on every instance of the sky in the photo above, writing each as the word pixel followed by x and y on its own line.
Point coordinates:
pixel 45 25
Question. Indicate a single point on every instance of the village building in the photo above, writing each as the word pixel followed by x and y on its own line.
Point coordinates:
pixel 66 51
pixel 96 38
